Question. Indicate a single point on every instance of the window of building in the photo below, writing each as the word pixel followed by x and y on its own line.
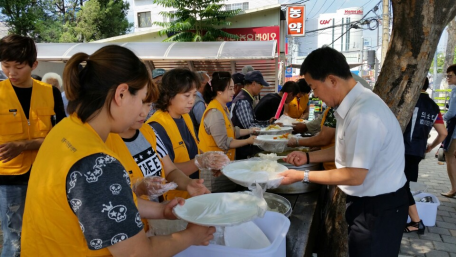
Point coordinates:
pixel 144 20
pixel 167 19
pixel 243 6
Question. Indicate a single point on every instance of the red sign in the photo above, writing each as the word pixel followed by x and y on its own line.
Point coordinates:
pixel 296 20
pixel 324 22
pixel 348 12
pixel 254 34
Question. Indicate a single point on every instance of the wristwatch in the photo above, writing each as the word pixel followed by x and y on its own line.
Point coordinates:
pixel 306 177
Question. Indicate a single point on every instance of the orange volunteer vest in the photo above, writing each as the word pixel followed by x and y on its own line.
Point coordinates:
pixel 50 228
pixel 207 142
pixel 296 110
pixel 179 148
pixel 328 165
pixel 14 125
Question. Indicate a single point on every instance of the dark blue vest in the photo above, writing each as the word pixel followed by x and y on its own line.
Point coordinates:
pixel 421 123
pixel 241 96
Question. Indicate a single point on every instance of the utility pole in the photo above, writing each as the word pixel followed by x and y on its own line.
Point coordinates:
pixel 376 49
pixel 361 71
pixel 385 36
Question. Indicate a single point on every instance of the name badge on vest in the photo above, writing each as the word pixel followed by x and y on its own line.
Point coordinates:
pixel 14 111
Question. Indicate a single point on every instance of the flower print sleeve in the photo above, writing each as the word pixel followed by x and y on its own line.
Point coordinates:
pixel 98 191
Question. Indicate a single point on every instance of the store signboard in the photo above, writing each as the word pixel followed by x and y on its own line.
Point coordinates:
pixel 288 72
pixel 296 20
pixel 254 34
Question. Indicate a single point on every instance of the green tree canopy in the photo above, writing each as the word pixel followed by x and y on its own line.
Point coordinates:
pixel 195 20
pixel 66 20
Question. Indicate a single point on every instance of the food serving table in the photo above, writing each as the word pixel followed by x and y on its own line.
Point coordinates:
pixel 304 223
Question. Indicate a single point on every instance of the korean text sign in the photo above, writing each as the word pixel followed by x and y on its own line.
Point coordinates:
pixel 296 20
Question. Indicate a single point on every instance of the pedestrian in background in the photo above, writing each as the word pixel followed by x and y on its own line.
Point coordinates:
pixel 426 115
pixel 450 143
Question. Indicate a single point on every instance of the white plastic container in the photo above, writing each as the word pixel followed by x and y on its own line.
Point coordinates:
pixel 274 226
pixel 426 210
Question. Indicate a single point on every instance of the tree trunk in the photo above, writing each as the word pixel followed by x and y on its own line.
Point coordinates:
pixel 451 44
pixel 334 233
pixel 417 27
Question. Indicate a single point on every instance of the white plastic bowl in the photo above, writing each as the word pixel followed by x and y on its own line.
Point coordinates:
pixel 240 173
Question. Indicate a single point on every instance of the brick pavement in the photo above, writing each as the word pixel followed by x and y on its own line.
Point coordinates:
pixel 439 240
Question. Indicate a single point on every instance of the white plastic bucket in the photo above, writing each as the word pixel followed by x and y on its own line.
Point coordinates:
pixel 274 225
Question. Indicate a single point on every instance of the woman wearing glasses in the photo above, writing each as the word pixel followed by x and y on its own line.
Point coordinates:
pixel 216 132
pixel 450 143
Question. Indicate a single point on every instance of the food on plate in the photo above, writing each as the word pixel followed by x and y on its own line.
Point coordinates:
pixel 272 127
pixel 266 165
pixel 284 136
pixel 299 120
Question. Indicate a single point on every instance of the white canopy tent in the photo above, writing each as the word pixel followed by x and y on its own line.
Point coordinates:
pixel 197 56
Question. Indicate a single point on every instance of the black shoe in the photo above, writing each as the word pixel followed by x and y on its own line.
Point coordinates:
pixel 419 225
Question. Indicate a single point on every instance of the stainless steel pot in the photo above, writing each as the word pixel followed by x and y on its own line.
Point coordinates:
pixel 298 187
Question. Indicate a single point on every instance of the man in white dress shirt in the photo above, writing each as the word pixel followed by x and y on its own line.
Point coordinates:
pixel 369 156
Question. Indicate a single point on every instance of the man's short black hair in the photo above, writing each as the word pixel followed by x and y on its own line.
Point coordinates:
pixel 426 84
pixel 19 49
pixel 290 87
pixel 451 68
pixel 326 61
pixel 303 86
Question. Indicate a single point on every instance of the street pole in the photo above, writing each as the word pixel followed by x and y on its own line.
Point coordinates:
pixel 362 58
pixel 385 36
pixel 434 83
pixel 376 60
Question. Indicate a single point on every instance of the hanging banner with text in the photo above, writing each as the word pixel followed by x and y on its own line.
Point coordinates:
pixel 296 20
pixel 254 34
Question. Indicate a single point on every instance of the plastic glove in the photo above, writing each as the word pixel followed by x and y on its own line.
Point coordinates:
pixel 214 160
pixel 254 131
pixel 152 186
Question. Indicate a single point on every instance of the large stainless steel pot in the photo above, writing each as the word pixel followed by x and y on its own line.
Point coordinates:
pixel 298 187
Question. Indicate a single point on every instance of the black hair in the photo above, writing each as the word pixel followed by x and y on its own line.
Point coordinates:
pixel 326 61
pixel 451 68
pixel 175 81
pixel 89 89
pixel 303 86
pixel 36 77
pixel 19 49
pixel 220 80
pixel 290 87
pixel 426 84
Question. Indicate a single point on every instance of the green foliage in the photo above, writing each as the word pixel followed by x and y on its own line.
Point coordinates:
pixel 66 20
pixel 196 20
pixel 440 61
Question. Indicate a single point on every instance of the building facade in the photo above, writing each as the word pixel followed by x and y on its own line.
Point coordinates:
pixel 145 13
pixel 331 29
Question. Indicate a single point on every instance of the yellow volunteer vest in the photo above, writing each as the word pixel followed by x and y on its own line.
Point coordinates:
pixel 207 142
pixel 179 148
pixel 14 125
pixel 50 228
pixel 116 144
pixel 328 165
pixel 296 110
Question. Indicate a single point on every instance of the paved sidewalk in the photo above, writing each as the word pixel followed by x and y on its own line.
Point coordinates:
pixel 441 239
